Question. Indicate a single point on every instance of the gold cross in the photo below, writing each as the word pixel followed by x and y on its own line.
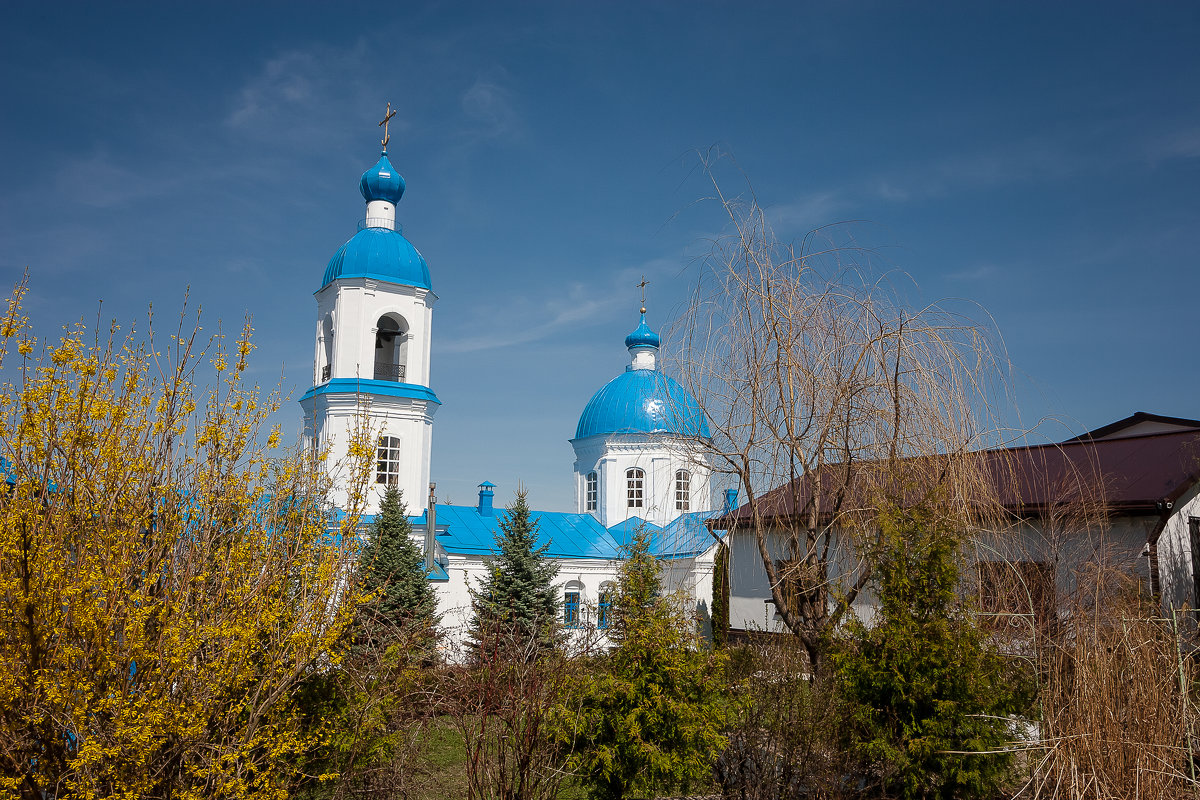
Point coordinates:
pixel 642 286
pixel 384 124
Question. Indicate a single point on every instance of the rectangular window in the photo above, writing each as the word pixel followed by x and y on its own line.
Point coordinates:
pixel 387 465
pixel 683 490
pixel 634 484
pixel 605 609
pixel 571 617
pixel 590 491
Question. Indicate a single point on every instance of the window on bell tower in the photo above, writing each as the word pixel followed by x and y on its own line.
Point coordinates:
pixel 387 465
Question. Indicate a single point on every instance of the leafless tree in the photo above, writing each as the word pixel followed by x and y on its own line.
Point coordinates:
pixel 828 395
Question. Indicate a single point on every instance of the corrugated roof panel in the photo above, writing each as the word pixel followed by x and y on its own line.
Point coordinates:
pixel 566 535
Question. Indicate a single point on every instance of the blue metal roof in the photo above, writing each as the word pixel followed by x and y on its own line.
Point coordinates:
pixel 685 536
pixel 463 530
pixel 364 386
pixel 642 401
pixel 382 182
pixel 380 253
pixel 642 336
pixel 567 535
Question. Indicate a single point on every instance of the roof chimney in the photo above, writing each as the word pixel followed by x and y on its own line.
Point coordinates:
pixel 485 499
pixel 730 501
pixel 430 529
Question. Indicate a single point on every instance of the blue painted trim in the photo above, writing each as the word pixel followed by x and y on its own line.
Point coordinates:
pixel 364 386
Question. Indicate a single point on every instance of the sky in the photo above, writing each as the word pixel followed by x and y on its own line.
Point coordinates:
pixel 1039 162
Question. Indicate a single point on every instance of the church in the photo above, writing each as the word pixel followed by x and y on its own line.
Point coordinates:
pixel 638 463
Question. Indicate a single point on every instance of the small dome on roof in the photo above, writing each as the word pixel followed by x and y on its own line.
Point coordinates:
pixel 378 253
pixel 642 336
pixel 642 401
pixel 382 182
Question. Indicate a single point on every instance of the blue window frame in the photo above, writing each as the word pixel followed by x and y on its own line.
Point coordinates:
pixel 604 609
pixel 571 617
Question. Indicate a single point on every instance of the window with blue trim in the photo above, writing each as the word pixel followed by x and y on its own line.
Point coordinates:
pixel 571 611
pixel 605 607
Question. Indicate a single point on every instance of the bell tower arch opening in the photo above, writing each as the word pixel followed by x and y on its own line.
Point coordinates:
pixel 391 348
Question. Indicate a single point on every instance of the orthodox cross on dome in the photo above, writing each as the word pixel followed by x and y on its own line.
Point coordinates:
pixel 642 286
pixel 384 124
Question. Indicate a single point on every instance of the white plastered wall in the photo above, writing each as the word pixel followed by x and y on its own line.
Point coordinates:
pixel 659 456
pixel 353 306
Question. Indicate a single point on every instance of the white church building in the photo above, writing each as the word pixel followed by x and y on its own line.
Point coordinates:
pixel 637 459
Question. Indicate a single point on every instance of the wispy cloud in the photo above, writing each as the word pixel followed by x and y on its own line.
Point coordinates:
pixel 302 95
pixel 489 108
pixel 580 307
pixel 806 213
pixel 1028 160
pixel 1182 143
pixel 101 182
pixel 610 295
pixel 970 274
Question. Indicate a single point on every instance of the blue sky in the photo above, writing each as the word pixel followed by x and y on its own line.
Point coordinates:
pixel 1042 162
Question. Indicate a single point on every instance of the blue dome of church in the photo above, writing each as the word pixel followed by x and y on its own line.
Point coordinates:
pixel 382 182
pixel 380 253
pixel 642 336
pixel 642 401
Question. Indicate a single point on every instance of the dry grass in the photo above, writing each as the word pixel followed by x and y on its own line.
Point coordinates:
pixel 1119 719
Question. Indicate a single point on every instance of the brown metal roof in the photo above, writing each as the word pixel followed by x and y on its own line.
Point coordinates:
pixel 1132 474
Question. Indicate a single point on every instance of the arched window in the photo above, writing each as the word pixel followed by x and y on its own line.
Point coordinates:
pixel 591 492
pixel 387 469
pixel 572 611
pixel 635 481
pixel 683 490
pixel 605 606
pixel 390 349
pixel 327 347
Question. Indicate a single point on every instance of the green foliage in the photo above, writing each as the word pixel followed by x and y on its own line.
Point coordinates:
pixel 720 595
pixel 652 719
pixel 516 605
pixel 929 698
pixel 392 569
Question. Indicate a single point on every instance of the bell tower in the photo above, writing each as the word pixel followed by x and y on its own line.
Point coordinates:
pixel 374 319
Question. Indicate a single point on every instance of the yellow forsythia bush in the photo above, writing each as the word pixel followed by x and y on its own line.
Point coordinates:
pixel 167 574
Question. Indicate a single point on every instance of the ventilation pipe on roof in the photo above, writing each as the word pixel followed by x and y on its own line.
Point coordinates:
pixel 731 501
pixel 485 499
pixel 430 530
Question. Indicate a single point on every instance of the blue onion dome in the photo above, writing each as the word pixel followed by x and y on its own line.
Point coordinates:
pixel 642 336
pixel 382 182
pixel 380 253
pixel 642 401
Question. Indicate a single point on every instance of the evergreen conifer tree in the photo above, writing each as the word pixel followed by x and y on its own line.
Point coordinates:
pixel 516 606
pixel 926 689
pixel 652 720
pixel 393 568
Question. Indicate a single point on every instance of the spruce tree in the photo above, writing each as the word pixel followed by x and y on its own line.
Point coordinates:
pixel 651 721
pixel 392 568
pixel 515 605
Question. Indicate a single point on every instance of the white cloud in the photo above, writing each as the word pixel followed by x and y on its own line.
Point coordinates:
pixel 304 96
pixel 100 182
pixel 977 273
pixel 1178 144
pixel 490 105
pixel 805 213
